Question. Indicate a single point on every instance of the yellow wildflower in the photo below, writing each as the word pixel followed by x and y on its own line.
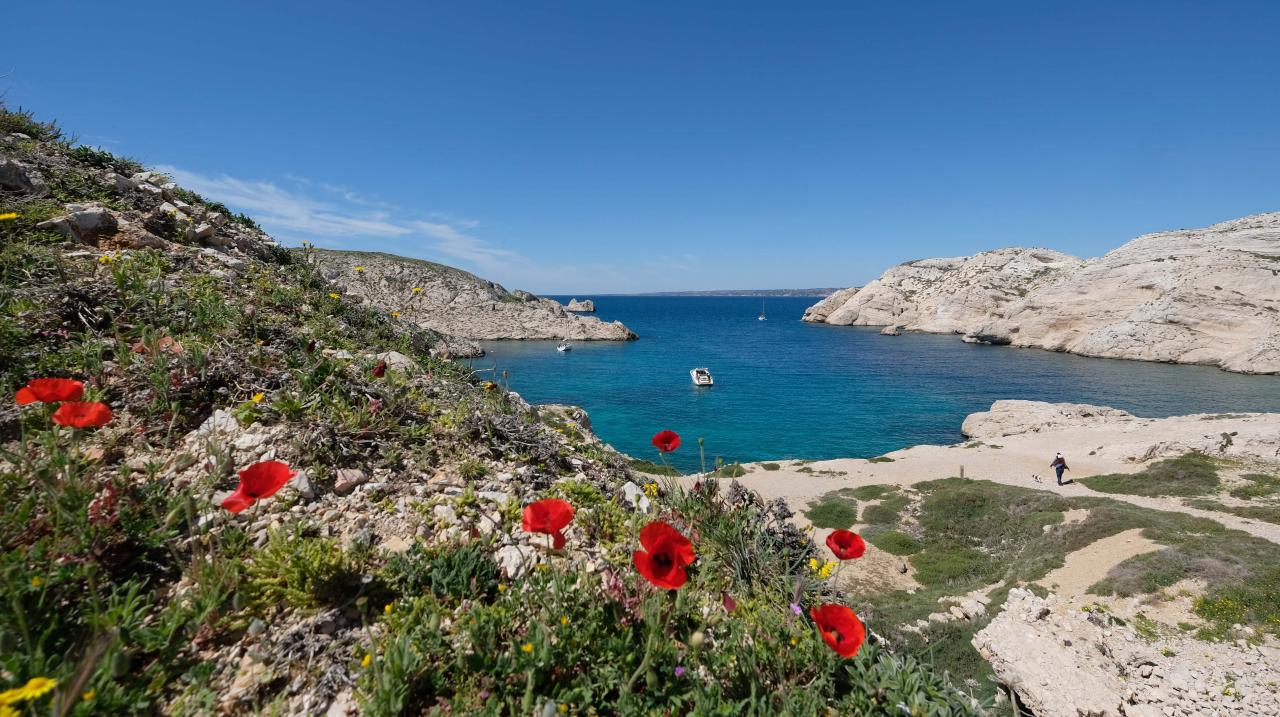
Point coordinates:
pixel 37 581
pixel 388 609
pixel 813 564
pixel 106 259
pixel 564 620
pixel 35 688
pixel 88 696
pixel 395 314
pixel 417 289
pixel 359 269
pixel 794 642
pixel 563 708
pixel 257 397
pixel 827 567
pixel 8 215
pixel 527 647
pixel 368 659
pixel 333 295
pixel 7 711
pixel 651 490
pixel 502 588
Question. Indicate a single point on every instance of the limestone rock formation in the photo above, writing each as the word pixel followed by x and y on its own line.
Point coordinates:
pixel 1131 438
pixel 455 302
pixel 1204 296
pixel 586 306
pixel 1057 660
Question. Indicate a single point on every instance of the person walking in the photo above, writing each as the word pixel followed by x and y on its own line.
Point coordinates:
pixel 1059 465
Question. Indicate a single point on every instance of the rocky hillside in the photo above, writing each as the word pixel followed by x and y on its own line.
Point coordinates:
pixel 1204 296
pixel 454 302
pixel 232 489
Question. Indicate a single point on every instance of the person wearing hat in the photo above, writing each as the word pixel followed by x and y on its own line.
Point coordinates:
pixel 1059 465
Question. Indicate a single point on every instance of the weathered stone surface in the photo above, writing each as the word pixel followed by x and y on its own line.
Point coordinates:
pixel 457 303
pixel 18 177
pixel 1204 296
pixel 586 305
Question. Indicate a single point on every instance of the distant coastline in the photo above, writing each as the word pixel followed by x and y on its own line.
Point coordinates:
pixel 731 292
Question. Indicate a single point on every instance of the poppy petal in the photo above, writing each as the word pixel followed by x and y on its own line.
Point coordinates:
pixel 264 478
pixel 557 540
pixel 25 396
pixel 237 501
pixel 78 414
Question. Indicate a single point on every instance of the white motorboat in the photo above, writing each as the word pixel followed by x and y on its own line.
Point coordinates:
pixel 701 377
pixel 564 346
pixel 762 317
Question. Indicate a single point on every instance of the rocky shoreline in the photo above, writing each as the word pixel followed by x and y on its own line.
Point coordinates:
pixel 1196 296
pixel 456 303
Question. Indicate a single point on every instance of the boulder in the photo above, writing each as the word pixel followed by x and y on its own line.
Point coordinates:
pixel 85 222
pixel 18 177
pixel 586 305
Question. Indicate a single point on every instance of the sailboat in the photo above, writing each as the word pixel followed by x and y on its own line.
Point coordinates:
pixel 762 317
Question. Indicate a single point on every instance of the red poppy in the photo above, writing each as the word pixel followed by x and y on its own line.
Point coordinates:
pixel 668 554
pixel 666 441
pixel 50 390
pixel 380 370
pixel 840 628
pixel 548 516
pixel 846 544
pixel 260 480
pixel 82 414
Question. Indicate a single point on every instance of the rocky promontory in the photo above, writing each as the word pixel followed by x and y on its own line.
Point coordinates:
pixel 1198 296
pixel 455 302
pixel 586 306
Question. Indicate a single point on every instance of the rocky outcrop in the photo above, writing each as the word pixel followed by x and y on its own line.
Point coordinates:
pixel 455 302
pixel 1057 660
pixel 1129 437
pixel 586 306
pixel 1205 296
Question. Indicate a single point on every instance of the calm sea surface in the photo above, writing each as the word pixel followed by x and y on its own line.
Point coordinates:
pixel 786 389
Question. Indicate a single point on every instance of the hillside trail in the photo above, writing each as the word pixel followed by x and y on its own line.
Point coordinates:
pixel 1014 462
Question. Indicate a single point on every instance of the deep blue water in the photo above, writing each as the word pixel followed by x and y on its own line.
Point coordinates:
pixel 786 389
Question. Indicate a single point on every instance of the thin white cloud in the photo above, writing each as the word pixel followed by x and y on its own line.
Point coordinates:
pixel 333 216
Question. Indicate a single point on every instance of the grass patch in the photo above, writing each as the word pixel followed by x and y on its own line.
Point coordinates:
pixel 1260 485
pixel 833 512
pixel 658 469
pixel 869 492
pixel 771 466
pixel 887 511
pixel 1265 513
pixel 896 542
pixel 732 470
pixel 880 459
pixel 1188 475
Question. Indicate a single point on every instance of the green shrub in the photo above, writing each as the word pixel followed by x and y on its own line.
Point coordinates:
pixel 657 469
pixel 449 573
pixel 1260 485
pixel 833 513
pixel 942 564
pixel 732 470
pixel 880 459
pixel 472 470
pixel 102 159
pixel 870 492
pixel 24 122
pixel 300 570
pixel 771 466
pixel 1187 475
pixel 896 542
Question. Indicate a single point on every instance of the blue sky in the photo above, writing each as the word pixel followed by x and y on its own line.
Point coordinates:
pixel 612 147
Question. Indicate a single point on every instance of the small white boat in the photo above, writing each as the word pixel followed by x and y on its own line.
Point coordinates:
pixel 564 346
pixel 762 317
pixel 701 377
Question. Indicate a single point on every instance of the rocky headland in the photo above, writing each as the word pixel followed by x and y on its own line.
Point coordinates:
pixel 586 306
pixel 455 302
pixel 1199 296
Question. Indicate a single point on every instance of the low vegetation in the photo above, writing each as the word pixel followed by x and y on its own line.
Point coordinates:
pixel 1188 475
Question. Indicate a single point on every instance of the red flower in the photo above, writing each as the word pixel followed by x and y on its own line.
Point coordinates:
pixel 846 544
pixel 78 414
pixel 380 370
pixel 260 480
pixel 840 627
pixel 668 554
pixel 666 441
pixel 548 516
pixel 50 390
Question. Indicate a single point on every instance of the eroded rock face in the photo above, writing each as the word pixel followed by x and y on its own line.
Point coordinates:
pixel 1203 296
pixel 1238 435
pixel 457 303
pixel 585 305
pixel 1058 660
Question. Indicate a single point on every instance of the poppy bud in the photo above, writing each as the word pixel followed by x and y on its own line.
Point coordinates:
pixel 311 346
pixel 697 639
pixel 380 370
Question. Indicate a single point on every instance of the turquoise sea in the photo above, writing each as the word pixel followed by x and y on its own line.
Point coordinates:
pixel 787 389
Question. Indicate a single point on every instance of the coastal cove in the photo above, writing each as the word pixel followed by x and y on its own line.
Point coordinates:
pixel 789 390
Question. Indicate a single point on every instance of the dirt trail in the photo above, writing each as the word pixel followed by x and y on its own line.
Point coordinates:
pixel 1014 462
pixel 1091 563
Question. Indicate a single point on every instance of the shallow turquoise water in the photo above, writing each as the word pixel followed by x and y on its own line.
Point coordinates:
pixel 786 389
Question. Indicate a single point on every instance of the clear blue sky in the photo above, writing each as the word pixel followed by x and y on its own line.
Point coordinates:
pixel 606 146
